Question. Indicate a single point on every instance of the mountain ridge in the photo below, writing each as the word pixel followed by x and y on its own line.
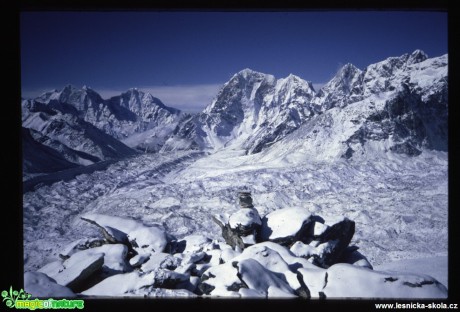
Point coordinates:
pixel 405 96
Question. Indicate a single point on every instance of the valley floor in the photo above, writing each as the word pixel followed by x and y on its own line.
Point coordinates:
pixel 400 205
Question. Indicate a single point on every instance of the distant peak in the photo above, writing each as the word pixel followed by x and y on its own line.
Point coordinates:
pixel 349 68
pixel 247 72
pixel 293 77
pixel 132 91
pixel 416 57
pixel 69 88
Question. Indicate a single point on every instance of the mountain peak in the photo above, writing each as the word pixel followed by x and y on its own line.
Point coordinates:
pixel 416 57
pixel 349 69
pixel 247 73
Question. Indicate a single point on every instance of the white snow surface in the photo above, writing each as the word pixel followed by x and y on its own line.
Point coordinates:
pixel 148 239
pixel 349 281
pixel 284 223
pixel 40 285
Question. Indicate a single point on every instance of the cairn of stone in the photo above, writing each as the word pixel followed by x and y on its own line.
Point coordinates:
pixel 245 200
pixel 242 228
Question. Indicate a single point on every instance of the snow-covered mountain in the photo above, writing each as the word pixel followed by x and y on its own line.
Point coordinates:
pixel 252 111
pixel 74 139
pixel 84 128
pixel 132 112
pixel 399 105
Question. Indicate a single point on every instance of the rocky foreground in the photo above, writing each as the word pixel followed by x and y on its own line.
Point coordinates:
pixel 287 253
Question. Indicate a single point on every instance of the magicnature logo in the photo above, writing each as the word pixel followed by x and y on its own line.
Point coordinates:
pixel 21 300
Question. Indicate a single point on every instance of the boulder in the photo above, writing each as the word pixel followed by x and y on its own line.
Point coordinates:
pixel 40 285
pixel 134 282
pixel 245 221
pixel 368 283
pixel 74 271
pixel 261 280
pixel 143 239
pixel 286 226
pixel 333 241
pixel 230 236
pixel 221 281
pixel 245 199
pixel 79 245
pixel 351 255
pixel 274 262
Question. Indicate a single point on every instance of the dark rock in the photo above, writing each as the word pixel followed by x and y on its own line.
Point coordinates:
pixel 245 199
pixel 333 242
pixel 351 255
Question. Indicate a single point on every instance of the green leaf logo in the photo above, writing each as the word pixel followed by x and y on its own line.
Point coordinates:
pixel 13 295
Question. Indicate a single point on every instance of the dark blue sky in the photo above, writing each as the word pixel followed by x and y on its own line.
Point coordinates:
pixel 184 57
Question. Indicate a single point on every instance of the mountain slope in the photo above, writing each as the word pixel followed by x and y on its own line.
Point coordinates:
pixel 403 109
pixel 70 135
pixel 39 158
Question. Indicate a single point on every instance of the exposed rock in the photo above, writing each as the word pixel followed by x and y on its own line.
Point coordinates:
pixel 245 199
pixel 221 281
pixel 351 255
pixel 80 244
pixel 333 242
pixel 231 237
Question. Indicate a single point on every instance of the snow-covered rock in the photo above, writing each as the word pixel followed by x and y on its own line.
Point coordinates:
pixel 263 281
pixel 74 271
pixel 40 285
pixel 142 238
pixel 80 244
pixel 245 221
pixel 379 284
pixel 134 282
pixel 272 261
pixel 286 226
pixel 221 281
